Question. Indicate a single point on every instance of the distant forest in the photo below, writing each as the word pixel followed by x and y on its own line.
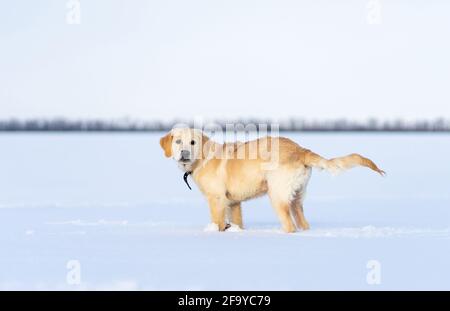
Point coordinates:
pixel 294 124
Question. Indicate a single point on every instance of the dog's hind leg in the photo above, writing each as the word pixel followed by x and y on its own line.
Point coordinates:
pixel 297 212
pixel 286 184
pixel 282 209
pixel 279 194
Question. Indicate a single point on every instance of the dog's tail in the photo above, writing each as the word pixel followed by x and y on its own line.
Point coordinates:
pixel 337 165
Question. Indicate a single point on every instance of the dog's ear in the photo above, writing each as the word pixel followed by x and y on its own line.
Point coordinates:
pixel 206 147
pixel 166 144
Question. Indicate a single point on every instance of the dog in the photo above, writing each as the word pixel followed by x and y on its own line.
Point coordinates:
pixel 231 173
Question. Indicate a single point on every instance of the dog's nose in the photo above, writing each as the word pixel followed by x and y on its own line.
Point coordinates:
pixel 185 154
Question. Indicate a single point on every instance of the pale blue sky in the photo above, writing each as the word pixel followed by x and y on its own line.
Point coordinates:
pixel 210 58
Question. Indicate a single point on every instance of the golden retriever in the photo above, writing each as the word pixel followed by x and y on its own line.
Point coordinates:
pixel 228 174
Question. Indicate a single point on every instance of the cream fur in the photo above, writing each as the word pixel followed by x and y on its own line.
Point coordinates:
pixel 228 174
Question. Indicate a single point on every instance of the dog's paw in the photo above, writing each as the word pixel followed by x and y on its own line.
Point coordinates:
pixel 212 227
pixel 233 228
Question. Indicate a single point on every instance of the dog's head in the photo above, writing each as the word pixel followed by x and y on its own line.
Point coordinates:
pixel 184 145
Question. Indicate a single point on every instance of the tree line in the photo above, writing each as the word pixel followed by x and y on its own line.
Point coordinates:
pixel 293 124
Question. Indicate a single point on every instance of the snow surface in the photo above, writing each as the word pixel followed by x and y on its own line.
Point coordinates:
pixel 113 203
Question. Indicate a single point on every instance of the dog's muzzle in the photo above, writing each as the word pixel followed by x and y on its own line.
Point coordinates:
pixel 185 156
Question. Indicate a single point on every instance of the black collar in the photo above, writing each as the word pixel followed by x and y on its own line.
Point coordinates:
pixel 185 176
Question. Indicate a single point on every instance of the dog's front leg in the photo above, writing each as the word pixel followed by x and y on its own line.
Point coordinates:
pixel 236 215
pixel 217 209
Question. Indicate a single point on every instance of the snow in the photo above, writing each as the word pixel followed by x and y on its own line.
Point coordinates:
pixel 234 228
pixel 211 227
pixel 113 203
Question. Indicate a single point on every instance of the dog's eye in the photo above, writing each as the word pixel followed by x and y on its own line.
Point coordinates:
pixel 192 142
pixel 178 141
